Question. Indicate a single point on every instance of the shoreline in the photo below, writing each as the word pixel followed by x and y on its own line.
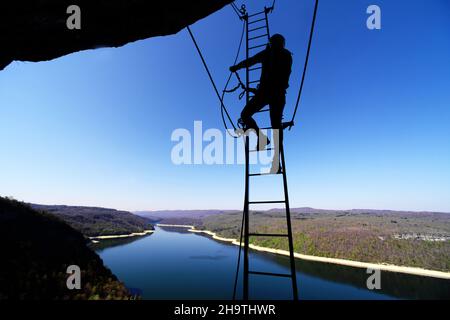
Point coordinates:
pixel 95 239
pixel 350 263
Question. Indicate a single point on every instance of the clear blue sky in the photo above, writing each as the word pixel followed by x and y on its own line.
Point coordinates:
pixel 94 128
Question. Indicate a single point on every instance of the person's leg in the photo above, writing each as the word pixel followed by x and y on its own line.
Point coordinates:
pixel 253 106
pixel 277 104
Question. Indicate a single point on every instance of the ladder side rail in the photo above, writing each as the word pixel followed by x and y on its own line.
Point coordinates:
pixel 247 178
pixel 288 220
pixel 267 22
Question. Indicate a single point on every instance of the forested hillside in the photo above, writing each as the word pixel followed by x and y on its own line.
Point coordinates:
pixel 414 239
pixel 37 248
pixel 93 221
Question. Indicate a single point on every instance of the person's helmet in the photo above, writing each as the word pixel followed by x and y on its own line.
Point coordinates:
pixel 277 41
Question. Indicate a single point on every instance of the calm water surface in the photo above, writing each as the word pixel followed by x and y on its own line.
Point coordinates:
pixel 173 263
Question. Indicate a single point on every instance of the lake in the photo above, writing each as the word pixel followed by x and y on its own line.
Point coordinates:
pixel 173 263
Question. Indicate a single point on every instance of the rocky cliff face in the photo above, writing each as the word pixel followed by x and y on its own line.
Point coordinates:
pixel 36 30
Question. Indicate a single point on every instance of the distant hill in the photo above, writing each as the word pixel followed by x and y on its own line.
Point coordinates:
pixel 405 238
pixel 93 221
pixel 195 217
pixel 408 238
pixel 36 249
pixel 308 210
pixel 192 217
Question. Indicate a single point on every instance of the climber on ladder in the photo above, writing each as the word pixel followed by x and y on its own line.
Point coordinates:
pixel 276 63
pixel 274 80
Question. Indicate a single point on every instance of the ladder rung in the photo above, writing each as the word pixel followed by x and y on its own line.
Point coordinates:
pixel 264 174
pixel 271 274
pixel 257 37
pixel 263 110
pixel 258 20
pixel 268 235
pixel 259 46
pixel 256 68
pixel 254 81
pixel 265 202
pixel 257 150
pixel 284 125
pixel 259 28
pixel 256 14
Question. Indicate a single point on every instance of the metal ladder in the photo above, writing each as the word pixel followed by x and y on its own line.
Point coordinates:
pixel 260 22
pixel 257 30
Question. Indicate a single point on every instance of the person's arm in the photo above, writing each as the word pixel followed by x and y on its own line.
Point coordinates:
pixel 257 58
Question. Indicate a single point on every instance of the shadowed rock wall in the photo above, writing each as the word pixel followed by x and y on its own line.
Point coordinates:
pixel 35 30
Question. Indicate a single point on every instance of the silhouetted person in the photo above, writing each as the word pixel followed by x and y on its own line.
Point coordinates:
pixel 276 69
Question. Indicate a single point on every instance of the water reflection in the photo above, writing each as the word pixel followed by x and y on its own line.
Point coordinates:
pixel 110 243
